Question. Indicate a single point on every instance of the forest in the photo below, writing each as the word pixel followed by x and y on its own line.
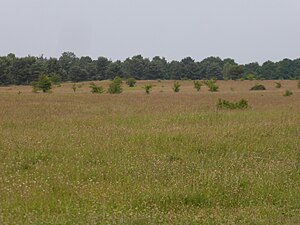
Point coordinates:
pixel 68 67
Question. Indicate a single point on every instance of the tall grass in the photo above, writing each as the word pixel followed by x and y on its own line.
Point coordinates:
pixel 138 159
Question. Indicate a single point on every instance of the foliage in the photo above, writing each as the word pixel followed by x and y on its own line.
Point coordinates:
pixel 287 93
pixel 148 88
pixel 74 87
pixel 224 104
pixel 278 84
pixel 44 84
pixel 258 87
pixel 197 85
pixel 250 76
pixel 69 67
pixel 176 86
pixel 212 85
pixel 96 89
pixel 115 86
pixel 131 82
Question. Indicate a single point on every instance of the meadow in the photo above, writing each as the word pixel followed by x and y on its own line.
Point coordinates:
pixel 162 158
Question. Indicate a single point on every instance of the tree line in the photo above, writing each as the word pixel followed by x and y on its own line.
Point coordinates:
pixel 69 67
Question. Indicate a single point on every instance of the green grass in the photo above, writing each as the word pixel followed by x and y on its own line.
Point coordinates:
pixel 138 159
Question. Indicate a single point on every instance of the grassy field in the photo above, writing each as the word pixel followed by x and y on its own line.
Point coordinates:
pixel 163 158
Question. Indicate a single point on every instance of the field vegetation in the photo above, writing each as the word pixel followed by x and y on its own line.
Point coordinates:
pixel 73 157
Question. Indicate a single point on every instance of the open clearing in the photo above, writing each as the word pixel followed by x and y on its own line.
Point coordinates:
pixel 163 158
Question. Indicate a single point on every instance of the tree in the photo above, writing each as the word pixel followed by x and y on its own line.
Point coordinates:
pixel 115 86
pixel 147 88
pixel 197 85
pixel 102 64
pixel 176 86
pixel 44 83
pixel 131 82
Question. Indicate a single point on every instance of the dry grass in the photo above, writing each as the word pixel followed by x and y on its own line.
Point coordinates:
pixel 163 158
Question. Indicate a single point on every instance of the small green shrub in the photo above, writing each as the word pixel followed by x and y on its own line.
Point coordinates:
pixel 258 87
pixel 212 85
pixel 115 86
pixel 278 84
pixel 131 82
pixel 176 86
pixel 74 87
pixel 197 85
pixel 148 88
pixel 44 84
pixel 224 104
pixel 96 89
pixel 287 93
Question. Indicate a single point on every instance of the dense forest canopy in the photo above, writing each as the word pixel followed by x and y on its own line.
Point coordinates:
pixel 69 67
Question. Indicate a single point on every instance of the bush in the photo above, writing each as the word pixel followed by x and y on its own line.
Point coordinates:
pixel 116 86
pixel 258 87
pixel 176 86
pixel 131 82
pixel 224 104
pixel 147 88
pixel 96 89
pixel 278 85
pixel 212 85
pixel 287 93
pixel 44 83
pixel 197 85
pixel 74 87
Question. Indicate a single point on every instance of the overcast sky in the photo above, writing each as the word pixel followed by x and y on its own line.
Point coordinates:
pixel 246 30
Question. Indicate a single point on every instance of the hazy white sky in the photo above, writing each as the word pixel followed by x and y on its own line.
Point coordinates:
pixel 246 30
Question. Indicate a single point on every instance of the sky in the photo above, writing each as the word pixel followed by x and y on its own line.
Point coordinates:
pixel 246 30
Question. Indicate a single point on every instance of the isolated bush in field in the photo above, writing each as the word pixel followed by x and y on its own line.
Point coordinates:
pixel 197 85
pixel 115 86
pixel 96 89
pixel 131 82
pixel 176 86
pixel 148 88
pixel 44 83
pixel 224 104
pixel 74 87
pixel 212 85
pixel 258 87
pixel 278 85
pixel 287 93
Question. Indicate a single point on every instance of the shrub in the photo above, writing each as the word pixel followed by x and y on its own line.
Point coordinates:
pixel 197 85
pixel 224 104
pixel 287 93
pixel 116 86
pixel 258 87
pixel 131 82
pixel 278 85
pixel 74 87
pixel 44 83
pixel 212 85
pixel 147 88
pixel 176 86
pixel 96 89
